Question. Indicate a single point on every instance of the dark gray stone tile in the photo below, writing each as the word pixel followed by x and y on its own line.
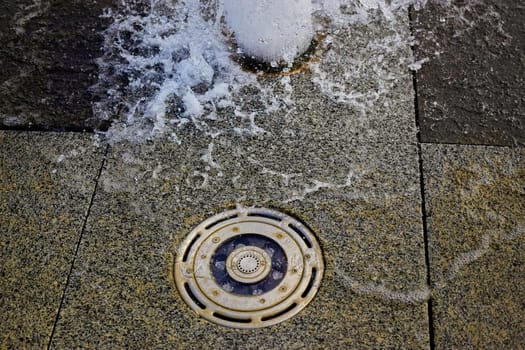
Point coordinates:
pixel 46 183
pixel 472 89
pixel 47 53
pixel 476 228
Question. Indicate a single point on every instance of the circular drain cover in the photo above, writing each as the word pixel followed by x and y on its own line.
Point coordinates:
pixel 249 268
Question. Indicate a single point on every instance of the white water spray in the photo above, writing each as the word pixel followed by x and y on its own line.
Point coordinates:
pixel 273 31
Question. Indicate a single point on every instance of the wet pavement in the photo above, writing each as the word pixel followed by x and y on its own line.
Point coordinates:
pixel 47 53
pixel 423 242
pixel 476 228
pixel 471 89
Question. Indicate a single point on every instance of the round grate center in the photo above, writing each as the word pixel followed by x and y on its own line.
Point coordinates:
pixel 249 264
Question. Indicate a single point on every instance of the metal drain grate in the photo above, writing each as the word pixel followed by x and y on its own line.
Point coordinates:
pixel 249 268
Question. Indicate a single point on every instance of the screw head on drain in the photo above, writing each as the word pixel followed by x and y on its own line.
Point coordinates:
pixel 248 268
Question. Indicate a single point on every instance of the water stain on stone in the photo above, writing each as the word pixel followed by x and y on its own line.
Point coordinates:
pixel 473 203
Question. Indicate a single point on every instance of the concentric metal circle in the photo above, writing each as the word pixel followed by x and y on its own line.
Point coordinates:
pixel 249 268
pixel 248 264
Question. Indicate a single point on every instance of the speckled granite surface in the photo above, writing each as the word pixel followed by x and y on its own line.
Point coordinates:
pixel 352 176
pixel 46 183
pixel 366 214
pixel 476 220
pixel 350 171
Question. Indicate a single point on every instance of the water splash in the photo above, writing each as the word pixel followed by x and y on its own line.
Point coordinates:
pixel 274 31
pixel 164 66
pixel 167 65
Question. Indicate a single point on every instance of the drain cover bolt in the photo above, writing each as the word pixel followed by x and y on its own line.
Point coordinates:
pixel 216 240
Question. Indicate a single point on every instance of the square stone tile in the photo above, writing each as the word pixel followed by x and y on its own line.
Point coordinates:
pixel 476 225
pixel 471 87
pixel 348 169
pixel 362 201
pixel 46 184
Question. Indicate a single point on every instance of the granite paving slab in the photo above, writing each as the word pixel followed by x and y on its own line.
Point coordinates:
pixel 471 85
pixel 476 229
pixel 46 184
pixel 47 53
pixel 362 200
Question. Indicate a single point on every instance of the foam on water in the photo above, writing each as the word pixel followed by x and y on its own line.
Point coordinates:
pixel 164 66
